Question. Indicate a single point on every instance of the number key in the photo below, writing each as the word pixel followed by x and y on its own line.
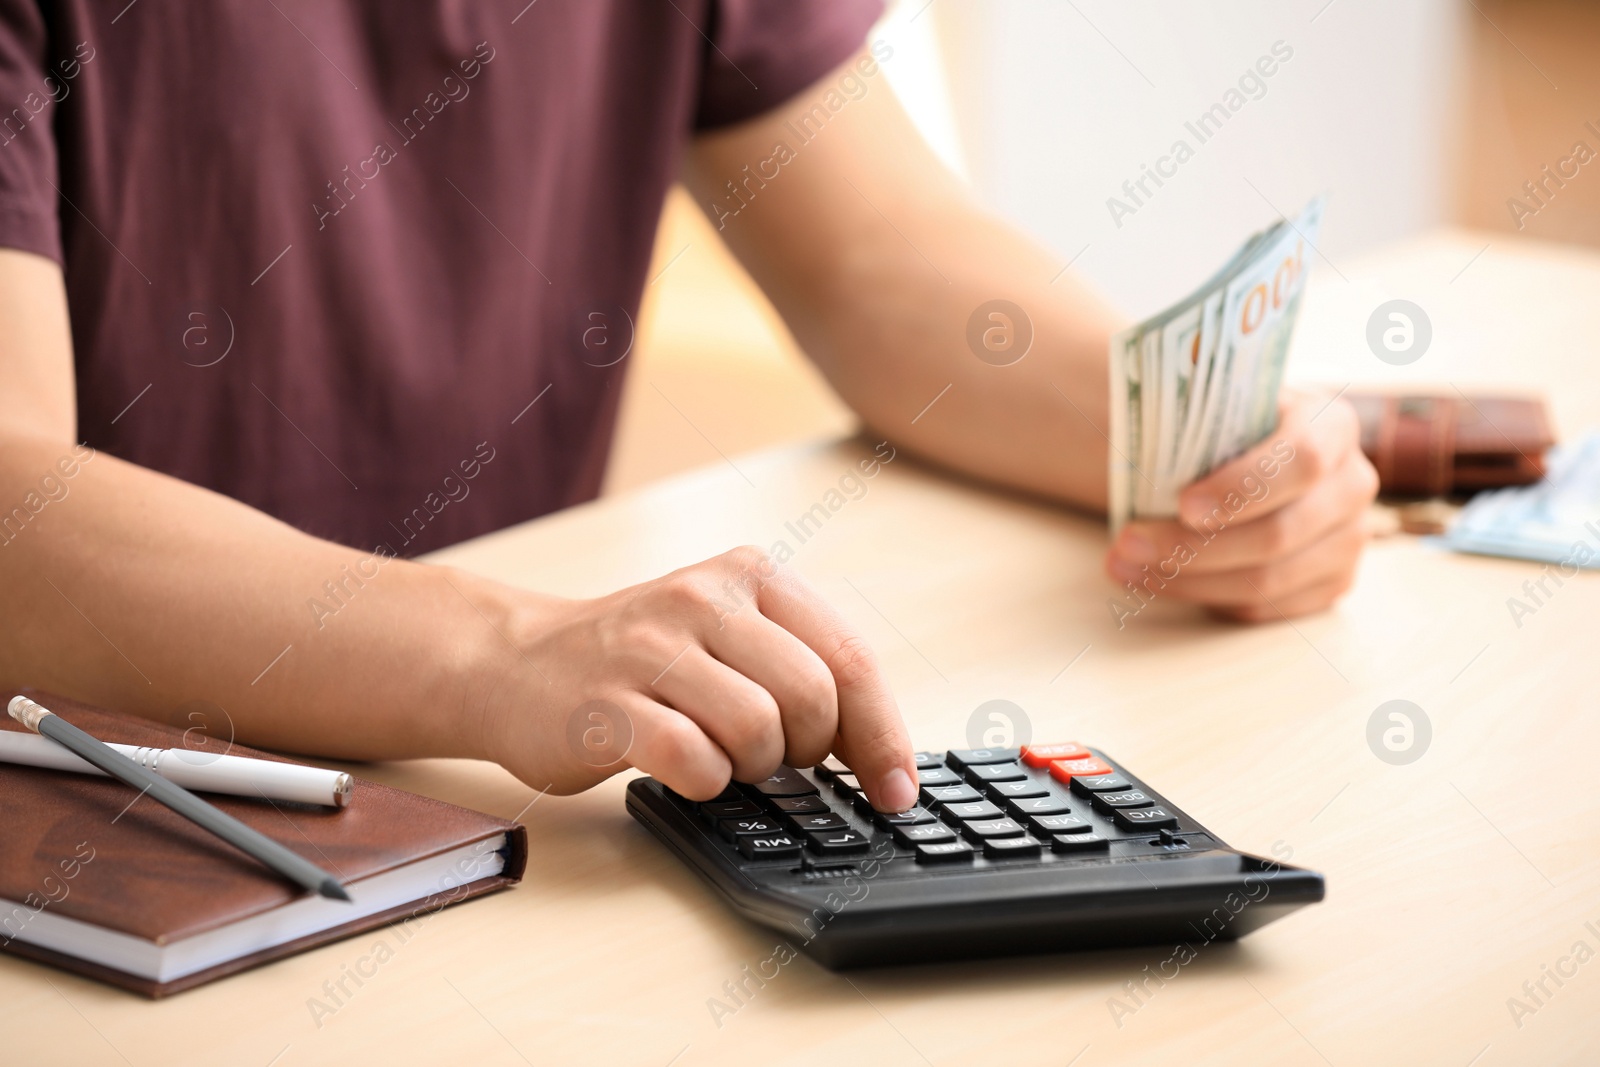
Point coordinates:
pixel 973 757
pixel 909 817
pixel 978 809
pixel 952 794
pixel 984 773
pixel 1028 787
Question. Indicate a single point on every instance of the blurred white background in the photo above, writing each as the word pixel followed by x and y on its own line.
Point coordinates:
pixel 1058 102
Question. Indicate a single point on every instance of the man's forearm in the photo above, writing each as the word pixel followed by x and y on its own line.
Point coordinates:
pixel 879 261
pixel 904 341
pixel 136 591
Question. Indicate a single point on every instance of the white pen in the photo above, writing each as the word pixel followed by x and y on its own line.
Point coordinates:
pixel 204 771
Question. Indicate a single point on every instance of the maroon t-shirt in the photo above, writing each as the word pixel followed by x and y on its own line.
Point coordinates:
pixel 371 266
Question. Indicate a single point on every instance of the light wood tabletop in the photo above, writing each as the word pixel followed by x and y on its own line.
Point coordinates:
pixel 1452 880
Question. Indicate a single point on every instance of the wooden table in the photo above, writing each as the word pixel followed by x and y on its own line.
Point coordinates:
pixel 1451 881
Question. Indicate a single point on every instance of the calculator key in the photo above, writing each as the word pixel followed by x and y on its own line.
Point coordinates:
pixel 926 761
pixel 860 802
pixel 727 796
pixel 1113 782
pixel 770 847
pixel 1067 769
pixel 784 782
pixel 846 783
pixel 1051 825
pixel 1005 847
pixel 928 833
pixel 1079 843
pixel 977 809
pixel 945 852
pixel 825 821
pixel 1050 805
pixel 829 768
pixel 1105 801
pixel 952 794
pixel 1144 818
pixel 799 805
pixel 1044 755
pixel 736 809
pixel 733 829
pixel 909 817
pixel 1028 787
pixel 938 776
pixel 984 773
pixel 836 842
pixel 973 757
pixel 983 829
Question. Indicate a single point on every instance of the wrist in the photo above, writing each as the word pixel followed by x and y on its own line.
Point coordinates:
pixel 487 679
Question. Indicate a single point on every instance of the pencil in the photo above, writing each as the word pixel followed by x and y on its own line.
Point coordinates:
pixel 251 842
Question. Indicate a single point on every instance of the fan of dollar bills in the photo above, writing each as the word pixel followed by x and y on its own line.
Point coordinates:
pixel 1197 384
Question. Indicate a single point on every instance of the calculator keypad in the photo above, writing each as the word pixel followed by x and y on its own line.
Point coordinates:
pixel 1038 803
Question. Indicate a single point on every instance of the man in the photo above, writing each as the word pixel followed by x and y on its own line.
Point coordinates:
pixel 331 272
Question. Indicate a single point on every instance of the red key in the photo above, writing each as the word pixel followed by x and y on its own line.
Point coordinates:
pixel 1065 770
pixel 1044 755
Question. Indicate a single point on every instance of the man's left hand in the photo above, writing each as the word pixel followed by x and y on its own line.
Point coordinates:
pixel 1274 533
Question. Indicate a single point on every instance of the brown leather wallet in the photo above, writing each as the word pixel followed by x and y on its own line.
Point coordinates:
pixel 1442 443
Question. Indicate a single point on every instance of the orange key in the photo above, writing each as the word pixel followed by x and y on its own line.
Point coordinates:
pixel 1044 755
pixel 1065 770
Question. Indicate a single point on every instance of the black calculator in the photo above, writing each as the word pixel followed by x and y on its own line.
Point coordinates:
pixel 1043 848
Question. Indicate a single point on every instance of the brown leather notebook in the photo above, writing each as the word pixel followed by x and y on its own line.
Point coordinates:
pixel 1443 443
pixel 137 896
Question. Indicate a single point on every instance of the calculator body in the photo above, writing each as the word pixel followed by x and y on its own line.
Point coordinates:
pixel 1008 853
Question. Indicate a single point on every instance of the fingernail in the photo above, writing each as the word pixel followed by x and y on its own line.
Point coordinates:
pixel 898 791
pixel 1136 547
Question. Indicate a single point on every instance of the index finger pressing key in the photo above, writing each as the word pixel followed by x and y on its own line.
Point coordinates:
pixel 872 735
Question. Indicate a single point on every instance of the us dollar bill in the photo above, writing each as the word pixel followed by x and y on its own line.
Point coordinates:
pixel 1197 384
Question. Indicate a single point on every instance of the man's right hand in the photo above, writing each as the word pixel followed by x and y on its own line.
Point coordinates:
pixel 721 670
pixel 137 591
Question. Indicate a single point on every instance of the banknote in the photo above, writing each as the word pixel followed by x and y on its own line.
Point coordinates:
pixel 1197 384
pixel 1554 521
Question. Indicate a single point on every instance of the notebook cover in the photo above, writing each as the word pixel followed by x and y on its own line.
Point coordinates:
pixel 157 876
